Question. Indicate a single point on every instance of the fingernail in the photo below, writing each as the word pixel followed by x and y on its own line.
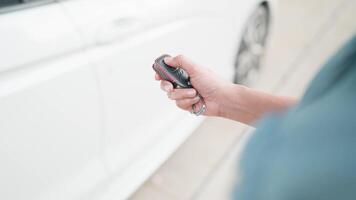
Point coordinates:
pixel 192 93
pixel 168 88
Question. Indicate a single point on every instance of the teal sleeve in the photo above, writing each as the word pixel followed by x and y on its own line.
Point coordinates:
pixel 309 152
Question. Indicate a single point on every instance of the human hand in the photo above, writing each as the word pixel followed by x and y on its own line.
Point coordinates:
pixel 205 82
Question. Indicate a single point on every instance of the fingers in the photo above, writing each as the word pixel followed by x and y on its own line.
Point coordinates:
pixel 186 104
pixel 157 77
pixel 182 62
pixel 178 94
pixel 185 98
pixel 166 86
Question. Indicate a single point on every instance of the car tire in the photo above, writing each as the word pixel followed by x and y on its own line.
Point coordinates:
pixel 252 46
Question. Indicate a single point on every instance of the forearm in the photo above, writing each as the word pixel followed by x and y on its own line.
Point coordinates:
pixel 247 105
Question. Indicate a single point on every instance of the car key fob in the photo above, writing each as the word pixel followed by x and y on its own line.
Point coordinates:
pixel 177 76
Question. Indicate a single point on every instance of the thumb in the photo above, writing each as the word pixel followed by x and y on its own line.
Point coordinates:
pixel 182 62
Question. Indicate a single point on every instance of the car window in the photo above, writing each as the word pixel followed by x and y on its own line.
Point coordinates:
pixel 5 3
pixel 11 5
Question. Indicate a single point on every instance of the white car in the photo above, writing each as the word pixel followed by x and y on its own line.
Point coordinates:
pixel 81 116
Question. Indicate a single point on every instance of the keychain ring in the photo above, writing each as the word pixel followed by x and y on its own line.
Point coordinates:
pixel 201 110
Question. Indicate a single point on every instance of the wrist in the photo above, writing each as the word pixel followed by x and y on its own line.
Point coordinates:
pixel 231 100
pixel 247 105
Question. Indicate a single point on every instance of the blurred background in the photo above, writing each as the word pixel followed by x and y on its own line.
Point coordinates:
pixel 305 34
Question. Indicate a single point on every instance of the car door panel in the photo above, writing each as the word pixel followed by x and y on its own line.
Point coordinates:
pixel 32 38
pixel 136 110
pixel 51 116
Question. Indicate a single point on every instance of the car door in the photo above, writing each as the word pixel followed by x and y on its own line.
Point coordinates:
pixel 50 112
pixel 123 37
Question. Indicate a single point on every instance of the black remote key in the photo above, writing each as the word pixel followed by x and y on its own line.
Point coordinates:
pixel 177 76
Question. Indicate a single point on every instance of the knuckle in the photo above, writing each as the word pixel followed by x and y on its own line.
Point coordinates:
pixel 192 93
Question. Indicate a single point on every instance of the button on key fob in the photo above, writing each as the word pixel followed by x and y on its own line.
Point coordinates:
pixel 177 76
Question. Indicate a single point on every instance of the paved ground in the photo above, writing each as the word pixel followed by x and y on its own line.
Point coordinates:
pixel 305 34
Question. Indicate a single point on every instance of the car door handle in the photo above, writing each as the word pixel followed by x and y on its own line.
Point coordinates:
pixel 117 30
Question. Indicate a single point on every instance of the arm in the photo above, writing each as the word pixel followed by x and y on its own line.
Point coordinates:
pixel 247 105
pixel 222 98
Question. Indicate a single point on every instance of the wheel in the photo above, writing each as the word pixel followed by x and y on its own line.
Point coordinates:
pixel 252 46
